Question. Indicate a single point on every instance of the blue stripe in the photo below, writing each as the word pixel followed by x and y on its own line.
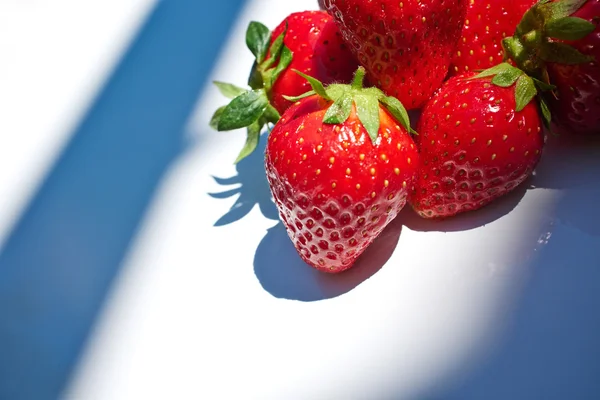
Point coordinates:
pixel 66 251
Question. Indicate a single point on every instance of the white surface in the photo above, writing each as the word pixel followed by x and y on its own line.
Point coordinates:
pixel 55 55
pixel 189 318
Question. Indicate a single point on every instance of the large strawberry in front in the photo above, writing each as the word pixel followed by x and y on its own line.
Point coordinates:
pixel 340 164
pixel 479 138
pixel 406 46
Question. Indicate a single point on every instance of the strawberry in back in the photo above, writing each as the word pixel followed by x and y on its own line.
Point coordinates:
pixel 405 46
pixel 486 24
pixel 318 50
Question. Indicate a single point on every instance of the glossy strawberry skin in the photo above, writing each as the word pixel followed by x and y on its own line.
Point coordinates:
pixel 318 50
pixel 486 24
pixel 474 147
pixel 576 109
pixel 335 190
pixel 406 46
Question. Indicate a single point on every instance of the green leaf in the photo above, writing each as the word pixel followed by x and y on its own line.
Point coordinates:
pixel 562 53
pixel 373 91
pixel 258 37
pixel 255 80
pixel 315 84
pixel 214 121
pixel 335 90
pixel 545 110
pixel 340 110
pixel 271 114
pixel 229 90
pixel 507 77
pixel 495 70
pixel 275 49
pixel 243 110
pixel 367 109
pixel 525 91
pixel 531 20
pixel 294 99
pixel 284 61
pixel 251 141
pixel 569 28
pixel 397 109
pixel 561 9
pixel 541 85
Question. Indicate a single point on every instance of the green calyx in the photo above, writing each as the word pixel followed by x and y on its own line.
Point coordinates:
pixel 538 37
pixel 251 108
pixel 367 102
pixel 526 87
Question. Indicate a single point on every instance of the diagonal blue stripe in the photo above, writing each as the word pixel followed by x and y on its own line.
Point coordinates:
pixel 67 248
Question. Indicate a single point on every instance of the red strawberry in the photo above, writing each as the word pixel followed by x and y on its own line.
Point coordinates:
pixel 307 41
pixel 577 105
pixel 486 24
pixel 340 166
pixel 559 42
pixel 318 50
pixel 406 46
pixel 477 141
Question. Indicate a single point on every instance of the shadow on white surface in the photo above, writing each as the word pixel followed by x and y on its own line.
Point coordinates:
pixel 282 272
pixel 551 349
pixel 60 261
pixel 252 188
pixel 573 168
pixel 467 221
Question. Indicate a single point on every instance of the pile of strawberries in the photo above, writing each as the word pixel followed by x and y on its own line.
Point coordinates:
pixel 487 79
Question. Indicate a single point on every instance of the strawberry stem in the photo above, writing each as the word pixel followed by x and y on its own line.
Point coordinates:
pixel 366 100
pixel 359 77
pixel 516 51
pixel 537 38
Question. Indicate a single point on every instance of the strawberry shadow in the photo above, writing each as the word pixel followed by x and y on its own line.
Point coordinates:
pixel 550 347
pixel 468 220
pixel 571 165
pixel 283 274
pixel 251 188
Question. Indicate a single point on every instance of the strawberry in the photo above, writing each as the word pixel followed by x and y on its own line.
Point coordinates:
pixel 406 46
pixel 318 50
pixel 340 163
pixel 558 42
pixel 486 24
pixel 479 138
pixel 307 41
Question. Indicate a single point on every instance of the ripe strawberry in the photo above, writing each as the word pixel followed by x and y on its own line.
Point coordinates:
pixel 307 41
pixel 406 46
pixel 318 50
pixel 340 164
pixel 477 141
pixel 559 42
pixel 486 24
